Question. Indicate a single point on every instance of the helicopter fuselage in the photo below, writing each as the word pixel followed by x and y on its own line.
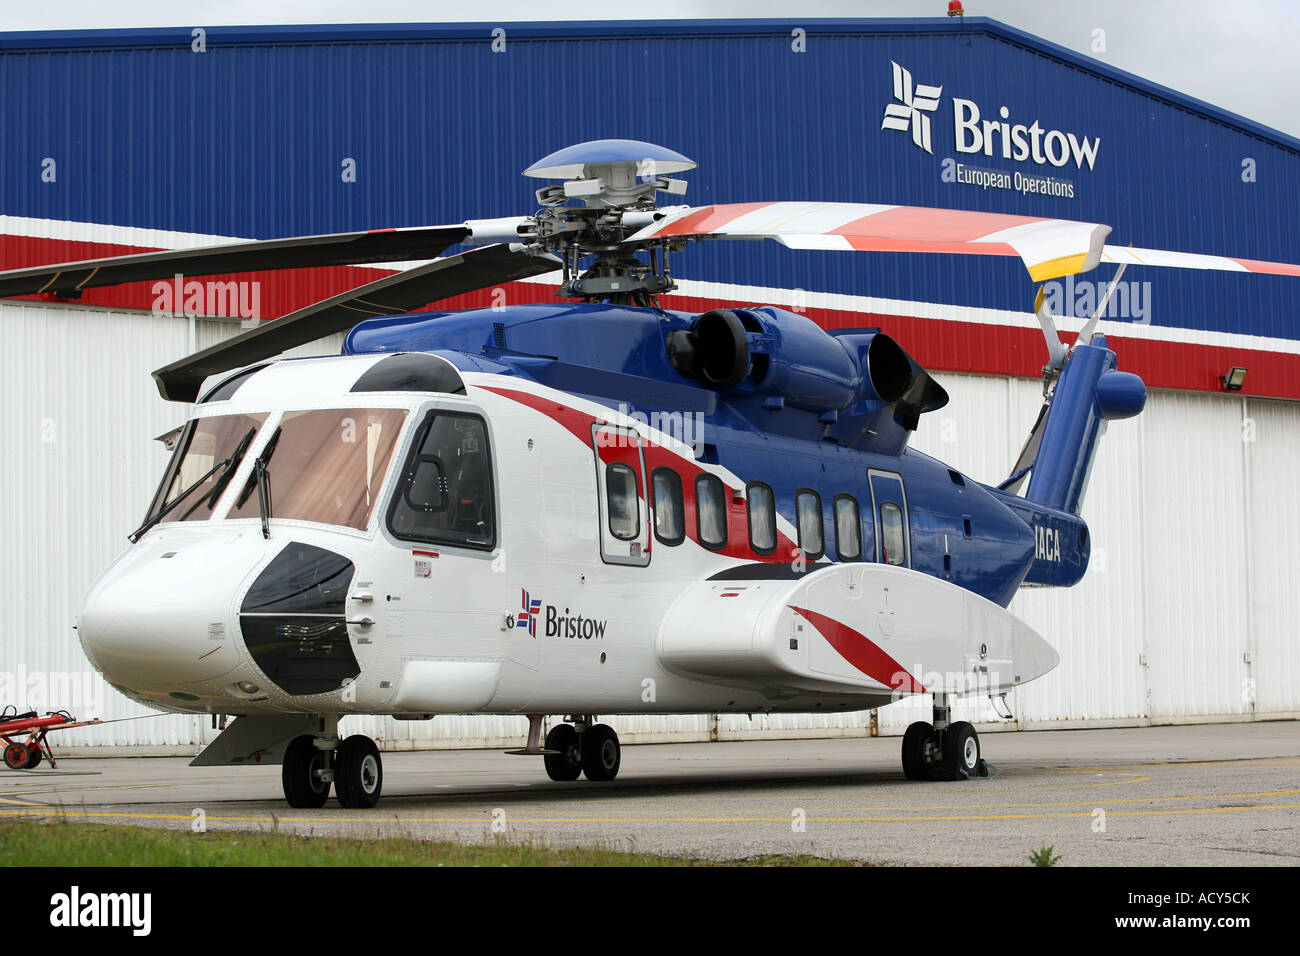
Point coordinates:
pixel 461 517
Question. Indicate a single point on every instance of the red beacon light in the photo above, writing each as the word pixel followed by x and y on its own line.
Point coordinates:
pixel 955 9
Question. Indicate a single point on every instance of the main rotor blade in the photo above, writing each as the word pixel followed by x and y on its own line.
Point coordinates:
pixel 391 295
pixel 1049 248
pixel 1127 255
pixel 338 249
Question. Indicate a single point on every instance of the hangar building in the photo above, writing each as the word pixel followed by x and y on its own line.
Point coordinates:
pixel 122 141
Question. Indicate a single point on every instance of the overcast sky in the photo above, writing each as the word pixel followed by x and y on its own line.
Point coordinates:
pixel 1242 55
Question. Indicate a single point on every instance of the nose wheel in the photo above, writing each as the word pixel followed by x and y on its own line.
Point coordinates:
pixel 354 769
pixel 304 773
pixel 358 773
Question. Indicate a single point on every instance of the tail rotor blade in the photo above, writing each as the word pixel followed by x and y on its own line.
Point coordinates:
pixel 1055 350
pixel 1085 334
pixel 1029 453
pixel 392 295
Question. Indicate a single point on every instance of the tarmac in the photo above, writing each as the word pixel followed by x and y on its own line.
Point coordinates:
pixel 1212 795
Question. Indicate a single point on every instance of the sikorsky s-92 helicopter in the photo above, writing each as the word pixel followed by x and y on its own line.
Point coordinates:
pixel 500 511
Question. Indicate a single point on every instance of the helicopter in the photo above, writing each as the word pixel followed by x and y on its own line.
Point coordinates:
pixel 590 506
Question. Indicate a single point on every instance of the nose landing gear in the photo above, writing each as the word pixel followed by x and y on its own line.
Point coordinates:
pixel 313 763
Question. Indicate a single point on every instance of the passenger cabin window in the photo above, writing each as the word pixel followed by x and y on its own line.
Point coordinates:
pixel 670 511
pixel 808 511
pixel 445 495
pixel 621 501
pixel 891 534
pixel 711 511
pixel 848 528
pixel 762 517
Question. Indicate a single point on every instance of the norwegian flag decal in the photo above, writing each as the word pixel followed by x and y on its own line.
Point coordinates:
pixel 528 613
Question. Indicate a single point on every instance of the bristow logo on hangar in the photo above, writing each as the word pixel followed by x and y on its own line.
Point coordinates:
pixel 915 101
pixel 558 625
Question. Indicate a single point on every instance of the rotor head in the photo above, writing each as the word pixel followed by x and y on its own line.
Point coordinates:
pixel 616 173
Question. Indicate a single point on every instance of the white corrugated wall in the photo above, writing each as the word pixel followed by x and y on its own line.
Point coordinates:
pixel 1186 613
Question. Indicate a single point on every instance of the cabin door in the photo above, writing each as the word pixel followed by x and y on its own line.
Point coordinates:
pixel 889 506
pixel 622 502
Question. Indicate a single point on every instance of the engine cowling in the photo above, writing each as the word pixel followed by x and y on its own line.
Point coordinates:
pixel 864 386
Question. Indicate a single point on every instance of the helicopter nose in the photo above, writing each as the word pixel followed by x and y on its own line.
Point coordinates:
pixel 163 616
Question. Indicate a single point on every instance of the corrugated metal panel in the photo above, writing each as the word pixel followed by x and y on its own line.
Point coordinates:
pixel 1273 509
pixel 81 413
pixel 1193 512
pixel 1173 575
pixel 151 134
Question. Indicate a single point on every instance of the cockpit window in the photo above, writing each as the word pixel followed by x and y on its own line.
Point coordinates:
pixel 205 444
pixel 326 465
pixel 445 494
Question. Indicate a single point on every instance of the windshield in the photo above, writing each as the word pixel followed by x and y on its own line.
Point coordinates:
pixel 208 442
pixel 328 465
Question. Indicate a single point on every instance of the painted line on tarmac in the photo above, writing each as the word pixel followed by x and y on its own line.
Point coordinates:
pixel 515 820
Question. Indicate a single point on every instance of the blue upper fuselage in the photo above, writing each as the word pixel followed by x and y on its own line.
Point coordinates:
pixel 806 423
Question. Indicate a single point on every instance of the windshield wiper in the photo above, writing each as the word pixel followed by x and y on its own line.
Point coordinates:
pixel 263 495
pixel 261 480
pixel 264 458
pixel 229 464
pixel 223 479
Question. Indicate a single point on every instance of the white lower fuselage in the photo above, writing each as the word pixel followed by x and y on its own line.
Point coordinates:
pixel 558 616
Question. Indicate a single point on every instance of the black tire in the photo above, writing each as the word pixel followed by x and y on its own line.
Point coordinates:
pixel 16 756
pixel 914 740
pixel 567 764
pixel 33 757
pixel 303 789
pixel 358 773
pixel 961 751
pixel 601 753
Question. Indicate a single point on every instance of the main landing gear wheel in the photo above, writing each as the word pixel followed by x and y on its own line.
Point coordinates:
pixel 961 751
pixel 950 754
pixel 302 774
pixel 601 754
pixel 567 764
pixel 16 757
pixel 358 773
pixel 915 762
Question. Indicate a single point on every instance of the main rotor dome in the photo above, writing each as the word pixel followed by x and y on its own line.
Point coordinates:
pixel 579 161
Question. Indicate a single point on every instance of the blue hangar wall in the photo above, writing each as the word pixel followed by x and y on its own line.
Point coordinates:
pixel 247 138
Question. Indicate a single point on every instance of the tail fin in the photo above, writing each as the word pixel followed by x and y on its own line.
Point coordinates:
pixel 1088 393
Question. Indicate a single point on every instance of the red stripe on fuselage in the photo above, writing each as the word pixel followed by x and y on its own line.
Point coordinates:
pixel 579 424
pixel 863 653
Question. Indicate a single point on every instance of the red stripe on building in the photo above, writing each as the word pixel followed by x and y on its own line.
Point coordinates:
pixel 938 344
